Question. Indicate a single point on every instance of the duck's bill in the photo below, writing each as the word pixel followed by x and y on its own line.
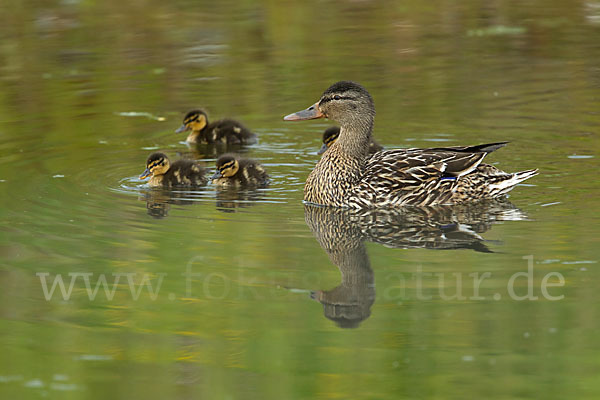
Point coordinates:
pixel 145 174
pixel 311 112
pixel 316 295
pixel 323 149
pixel 217 175
pixel 182 128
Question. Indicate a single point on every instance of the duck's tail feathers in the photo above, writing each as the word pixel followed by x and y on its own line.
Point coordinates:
pixel 504 186
pixel 486 148
pixel 480 148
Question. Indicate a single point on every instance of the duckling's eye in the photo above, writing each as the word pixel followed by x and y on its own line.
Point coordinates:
pixel 336 97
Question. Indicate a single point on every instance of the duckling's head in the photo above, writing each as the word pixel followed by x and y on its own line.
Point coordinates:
pixel 329 136
pixel 345 102
pixel 194 121
pixel 157 164
pixel 227 166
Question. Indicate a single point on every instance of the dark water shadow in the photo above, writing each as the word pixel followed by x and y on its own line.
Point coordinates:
pixel 342 234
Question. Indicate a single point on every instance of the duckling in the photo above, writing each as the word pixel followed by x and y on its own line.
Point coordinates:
pixel 346 176
pixel 235 171
pixel 223 131
pixel 180 173
pixel 331 134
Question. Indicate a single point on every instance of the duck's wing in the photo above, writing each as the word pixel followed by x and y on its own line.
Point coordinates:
pixel 423 164
pixel 480 148
pixel 417 176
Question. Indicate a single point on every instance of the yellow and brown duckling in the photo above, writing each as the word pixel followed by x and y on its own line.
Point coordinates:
pixel 331 134
pixel 239 172
pixel 346 176
pixel 227 131
pixel 163 173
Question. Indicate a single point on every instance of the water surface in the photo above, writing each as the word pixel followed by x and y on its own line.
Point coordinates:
pixel 253 294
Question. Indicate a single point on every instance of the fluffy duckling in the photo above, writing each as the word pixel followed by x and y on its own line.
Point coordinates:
pixel 180 173
pixel 223 131
pixel 331 134
pixel 235 171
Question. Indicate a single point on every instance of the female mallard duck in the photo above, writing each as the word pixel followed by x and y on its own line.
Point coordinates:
pixel 180 173
pixel 346 176
pixel 224 131
pixel 331 134
pixel 235 171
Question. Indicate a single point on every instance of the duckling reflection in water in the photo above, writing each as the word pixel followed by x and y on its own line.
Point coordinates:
pixel 163 173
pixel 331 135
pixel 159 200
pixel 342 233
pixel 226 131
pixel 157 209
pixel 233 171
pixel 230 199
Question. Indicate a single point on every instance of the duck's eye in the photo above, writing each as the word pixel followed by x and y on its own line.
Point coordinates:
pixel 336 97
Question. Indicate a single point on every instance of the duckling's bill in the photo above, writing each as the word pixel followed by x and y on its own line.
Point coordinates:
pixel 145 174
pixel 312 112
pixel 323 149
pixel 217 175
pixel 181 129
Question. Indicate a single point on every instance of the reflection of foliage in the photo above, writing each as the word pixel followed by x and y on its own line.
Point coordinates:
pixel 497 30
pixel 157 46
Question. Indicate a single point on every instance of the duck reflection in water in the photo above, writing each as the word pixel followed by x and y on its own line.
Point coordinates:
pixel 342 233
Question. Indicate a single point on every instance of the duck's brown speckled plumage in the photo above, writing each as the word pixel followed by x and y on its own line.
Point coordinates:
pixel 163 173
pixel 239 172
pixel 346 176
pixel 331 134
pixel 227 131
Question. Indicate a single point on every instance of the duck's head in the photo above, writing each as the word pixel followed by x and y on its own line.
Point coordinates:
pixel 346 102
pixel 194 121
pixel 227 166
pixel 157 164
pixel 329 136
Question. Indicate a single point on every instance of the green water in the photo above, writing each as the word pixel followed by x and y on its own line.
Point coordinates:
pixel 255 296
